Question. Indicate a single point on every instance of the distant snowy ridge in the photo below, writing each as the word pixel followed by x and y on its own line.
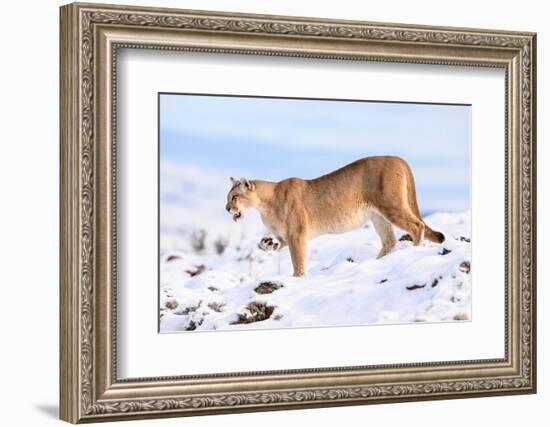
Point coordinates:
pixel 192 204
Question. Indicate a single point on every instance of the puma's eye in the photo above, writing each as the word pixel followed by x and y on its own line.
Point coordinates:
pixel 234 199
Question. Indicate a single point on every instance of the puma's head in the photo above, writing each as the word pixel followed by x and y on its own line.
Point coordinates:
pixel 240 197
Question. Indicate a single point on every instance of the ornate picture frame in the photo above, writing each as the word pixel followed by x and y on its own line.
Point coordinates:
pixel 90 37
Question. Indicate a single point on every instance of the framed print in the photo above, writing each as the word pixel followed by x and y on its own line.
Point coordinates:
pixel 266 212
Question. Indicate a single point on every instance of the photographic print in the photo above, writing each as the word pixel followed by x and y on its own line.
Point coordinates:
pixel 291 213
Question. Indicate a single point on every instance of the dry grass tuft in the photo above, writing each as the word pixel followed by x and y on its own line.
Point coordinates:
pixel 254 312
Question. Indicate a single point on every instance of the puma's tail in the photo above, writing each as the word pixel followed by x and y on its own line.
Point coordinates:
pixel 434 236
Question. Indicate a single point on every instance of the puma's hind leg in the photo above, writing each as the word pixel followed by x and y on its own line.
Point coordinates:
pixel 407 221
pixel 385 231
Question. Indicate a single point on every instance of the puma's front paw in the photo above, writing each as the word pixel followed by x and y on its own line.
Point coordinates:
pixel 269 243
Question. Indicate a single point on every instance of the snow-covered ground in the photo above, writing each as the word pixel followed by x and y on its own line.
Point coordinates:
pixel 213 276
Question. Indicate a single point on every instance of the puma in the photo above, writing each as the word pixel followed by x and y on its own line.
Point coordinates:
pixel 296 210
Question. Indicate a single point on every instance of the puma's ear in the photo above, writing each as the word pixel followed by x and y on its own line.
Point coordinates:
pixel 249 185
pixel 233 180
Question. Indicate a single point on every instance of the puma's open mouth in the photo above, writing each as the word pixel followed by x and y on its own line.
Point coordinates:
pixel 237 216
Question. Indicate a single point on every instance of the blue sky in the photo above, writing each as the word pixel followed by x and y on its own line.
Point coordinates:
pixel 274 138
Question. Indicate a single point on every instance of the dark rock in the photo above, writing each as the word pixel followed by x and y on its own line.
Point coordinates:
pixel 268 287
pixel 464 267
pixel 198 270
pixel 193 325
pixel 414 287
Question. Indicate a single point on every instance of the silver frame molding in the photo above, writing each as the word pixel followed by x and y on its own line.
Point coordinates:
pixel 90 37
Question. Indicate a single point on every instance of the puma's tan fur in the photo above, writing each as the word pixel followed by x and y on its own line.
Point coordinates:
pixel 295 210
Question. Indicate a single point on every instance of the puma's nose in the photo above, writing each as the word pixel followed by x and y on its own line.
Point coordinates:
pixel 227 208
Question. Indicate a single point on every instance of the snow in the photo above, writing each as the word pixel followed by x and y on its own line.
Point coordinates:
pixel 202 289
